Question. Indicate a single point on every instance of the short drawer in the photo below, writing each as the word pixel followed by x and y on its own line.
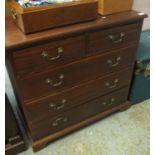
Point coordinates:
pixel 74 74
pixel 77 114
pixel 55 104
pixel 31 60
pixel 105 40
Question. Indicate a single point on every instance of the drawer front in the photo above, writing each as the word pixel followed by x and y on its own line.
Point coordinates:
pixel 31 60
pixel 56 104
pixel 76 73
pixel 104 40
pixel 77 114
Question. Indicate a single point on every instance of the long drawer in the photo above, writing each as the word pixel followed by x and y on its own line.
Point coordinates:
pixel 56 53
pixel 76 73
pixel 77 114
pixel 55 104
pixel 105 40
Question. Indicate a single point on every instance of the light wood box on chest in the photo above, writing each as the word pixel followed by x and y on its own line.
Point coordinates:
pixel 32 19
pixel 113 6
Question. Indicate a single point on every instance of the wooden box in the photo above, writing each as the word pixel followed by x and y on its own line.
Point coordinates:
pixel 106 7
pixel 32 19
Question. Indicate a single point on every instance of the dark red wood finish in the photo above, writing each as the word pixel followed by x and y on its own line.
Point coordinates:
pixel 102 41
pixel 63 120
pixel 97 65
pixel 75 73
pixel 31 60
pixel 17 40
pixel 56 104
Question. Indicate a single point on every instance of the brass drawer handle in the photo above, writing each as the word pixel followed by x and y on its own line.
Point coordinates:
pixel 107 84
pixel 117 39
pixel 112 63
pixel 51 59
pixel 59 120
pixel 50 81
pixel 112 101
pixel 58 106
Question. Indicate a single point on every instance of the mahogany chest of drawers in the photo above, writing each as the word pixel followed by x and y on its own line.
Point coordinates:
pixel 69 77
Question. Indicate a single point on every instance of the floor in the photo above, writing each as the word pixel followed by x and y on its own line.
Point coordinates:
pixel 124 133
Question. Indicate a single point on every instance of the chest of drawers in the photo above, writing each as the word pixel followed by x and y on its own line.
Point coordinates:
pixel 69 77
